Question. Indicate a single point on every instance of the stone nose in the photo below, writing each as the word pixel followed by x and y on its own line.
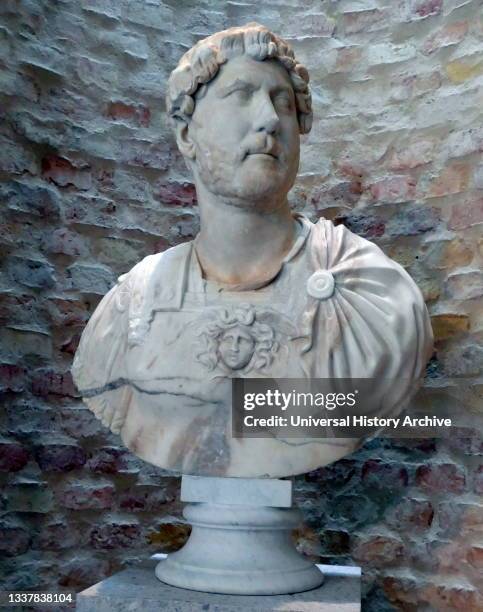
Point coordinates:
pixel 267 119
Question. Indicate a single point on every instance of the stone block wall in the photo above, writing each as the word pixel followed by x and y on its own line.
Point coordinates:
pixel 91 182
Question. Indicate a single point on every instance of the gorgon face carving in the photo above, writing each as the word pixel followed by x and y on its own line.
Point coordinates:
pixel 236 340
pixel 236 347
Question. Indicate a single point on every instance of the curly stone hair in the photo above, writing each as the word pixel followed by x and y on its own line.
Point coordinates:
pixel 201 63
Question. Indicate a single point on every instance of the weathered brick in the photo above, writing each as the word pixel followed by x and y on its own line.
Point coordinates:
pixel 60 457
pixel 56 535
pixel 137 114
pixel 14 537
pixel 42 202
pixel 338 474
pixel 454 179
pixel 29 575
pixel 185 226
pixel 310 24
pixel 86 495
pixel 415 85
pixel 90 279
pixel 475 557
pixel 132 45
pixel 355 510
pixel 466 214
pixel 366 225
pixel 63 173
pixel 46 58
pixel 23 311
pixel 110 460
pixel 387 53
pixel 9 233
pixel 169 537
pixel 451 599
pixel 445 254
pixel 441 478
pixel 465 285
pixel 34 273
pixel 157 155
pixel 21 341
pixel 450 34
pixel 120 254
pixel 429 286
pixel 77 573
pixel 416 154
pixel 12 377
pixel 15 158
pixel 447 556
pixel 378 550
pixel 449 325
pixel 29 496
pixel 465 142
pixel 80 422
pixel 13 456
pixel 461 70
pixel 465 440
pixel 46 382
pixel 466 360
pixel 67 312
pixel 176 194
pixel 390 476
pixel 94 73
pixel 394 189
pixel 424 8
pixel 411 515
pixel 364 21
pixel 70 344
pixel 348 58
pixel 153 15
pixel 65 242
pixel 413 220
pixel 146 498
pixel 455 518
pixel 308 542
pixel 335 542
pixel 341 194
pixel 115 534
pixel 401 590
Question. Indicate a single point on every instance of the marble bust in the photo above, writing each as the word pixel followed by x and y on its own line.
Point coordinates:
pixel 260 292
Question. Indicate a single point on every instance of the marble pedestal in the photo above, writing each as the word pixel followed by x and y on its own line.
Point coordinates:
pixel 241 541
pixel 138 589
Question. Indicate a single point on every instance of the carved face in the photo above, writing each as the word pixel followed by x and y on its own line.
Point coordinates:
pixel 246 133
pixel 236 348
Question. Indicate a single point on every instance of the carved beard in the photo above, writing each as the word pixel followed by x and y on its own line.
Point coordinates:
pixel 228 175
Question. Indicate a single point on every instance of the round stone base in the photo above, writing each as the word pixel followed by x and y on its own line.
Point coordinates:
pixel 240 550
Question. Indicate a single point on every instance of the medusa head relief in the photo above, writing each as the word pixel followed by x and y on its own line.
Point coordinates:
pixel 239 339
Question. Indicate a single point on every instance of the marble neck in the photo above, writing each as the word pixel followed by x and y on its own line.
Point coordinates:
pixel 243 246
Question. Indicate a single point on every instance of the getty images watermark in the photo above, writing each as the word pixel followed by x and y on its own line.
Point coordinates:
pixel 340 408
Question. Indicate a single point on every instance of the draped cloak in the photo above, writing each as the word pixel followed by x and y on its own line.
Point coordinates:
pixel 337 308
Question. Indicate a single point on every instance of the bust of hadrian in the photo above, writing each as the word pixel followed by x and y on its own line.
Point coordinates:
pixel 260 292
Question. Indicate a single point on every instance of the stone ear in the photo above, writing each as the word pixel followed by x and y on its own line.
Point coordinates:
pixel 184 140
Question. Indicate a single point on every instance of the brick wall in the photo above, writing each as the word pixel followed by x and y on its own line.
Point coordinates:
pixel 92 182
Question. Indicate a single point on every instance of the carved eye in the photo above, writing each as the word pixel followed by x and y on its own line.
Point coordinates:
pixel 242 94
